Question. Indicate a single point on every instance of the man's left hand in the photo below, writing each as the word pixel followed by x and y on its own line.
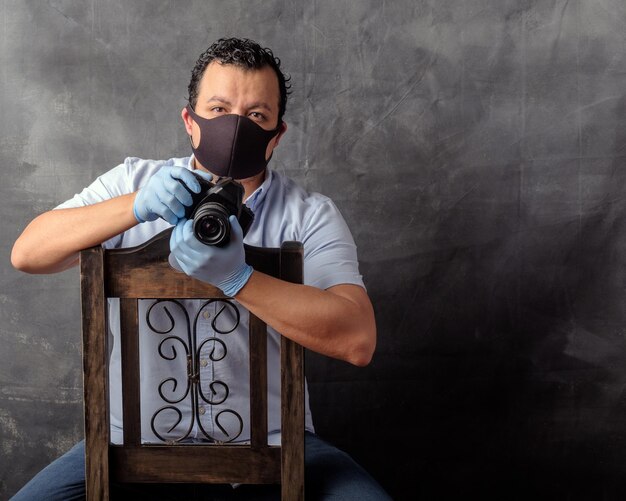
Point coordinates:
pixel 224 267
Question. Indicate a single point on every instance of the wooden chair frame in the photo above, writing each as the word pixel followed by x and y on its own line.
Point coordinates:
pixel 143 272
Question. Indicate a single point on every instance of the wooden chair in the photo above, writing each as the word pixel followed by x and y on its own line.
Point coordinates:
pixel 144 272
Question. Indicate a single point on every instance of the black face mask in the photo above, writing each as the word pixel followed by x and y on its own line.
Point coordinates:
pixel 231 145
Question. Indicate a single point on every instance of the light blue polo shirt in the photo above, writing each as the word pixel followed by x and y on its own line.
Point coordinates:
pixel 282 211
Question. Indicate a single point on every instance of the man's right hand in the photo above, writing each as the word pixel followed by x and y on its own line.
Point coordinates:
pixel 165 196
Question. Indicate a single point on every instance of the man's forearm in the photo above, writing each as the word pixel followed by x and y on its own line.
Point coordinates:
pixel 338 322
pixel 51 242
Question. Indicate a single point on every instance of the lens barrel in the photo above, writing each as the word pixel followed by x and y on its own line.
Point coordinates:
pixel 211 225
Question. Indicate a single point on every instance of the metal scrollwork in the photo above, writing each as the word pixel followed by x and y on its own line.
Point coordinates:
pixel 174 392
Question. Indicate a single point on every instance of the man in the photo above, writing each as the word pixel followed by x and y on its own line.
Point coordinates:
pixel 234 119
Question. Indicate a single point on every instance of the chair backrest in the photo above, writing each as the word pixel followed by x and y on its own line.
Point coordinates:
pixel 143 272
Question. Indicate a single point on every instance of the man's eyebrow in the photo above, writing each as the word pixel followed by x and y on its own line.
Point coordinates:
pixel 219 99
pixel 254 104
pixel 260 104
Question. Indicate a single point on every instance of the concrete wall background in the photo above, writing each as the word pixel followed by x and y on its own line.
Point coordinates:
pixel 475 148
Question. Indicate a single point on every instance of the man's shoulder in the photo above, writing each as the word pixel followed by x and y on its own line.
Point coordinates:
pixel 293 192
pixel 135 171
pixel 140 164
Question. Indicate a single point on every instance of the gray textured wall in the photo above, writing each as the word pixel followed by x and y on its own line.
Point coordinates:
pixel 476 149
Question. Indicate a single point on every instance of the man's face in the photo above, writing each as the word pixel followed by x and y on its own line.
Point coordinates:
pixel 227 89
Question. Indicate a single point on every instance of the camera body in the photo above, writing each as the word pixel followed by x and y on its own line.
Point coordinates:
pixel 211 208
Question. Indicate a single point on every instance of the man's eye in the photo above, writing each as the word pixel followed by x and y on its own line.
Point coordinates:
pixel 217 109
pixel 256 115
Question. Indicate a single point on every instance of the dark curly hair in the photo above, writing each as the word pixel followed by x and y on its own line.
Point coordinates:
pixel 243 53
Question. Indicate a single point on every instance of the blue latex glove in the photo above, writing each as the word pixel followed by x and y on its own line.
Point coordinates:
pixel 164 196
pixel 224 267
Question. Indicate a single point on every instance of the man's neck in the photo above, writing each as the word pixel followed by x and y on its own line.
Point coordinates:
pixel 249 184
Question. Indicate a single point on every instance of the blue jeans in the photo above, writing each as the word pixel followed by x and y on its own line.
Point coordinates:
pixel 331 474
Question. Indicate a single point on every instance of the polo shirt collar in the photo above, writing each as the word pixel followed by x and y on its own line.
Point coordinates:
pixel 255 200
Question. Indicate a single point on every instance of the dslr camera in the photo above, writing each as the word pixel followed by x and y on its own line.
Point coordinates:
pixel 211 208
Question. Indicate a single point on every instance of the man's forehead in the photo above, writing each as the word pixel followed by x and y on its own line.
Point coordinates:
pixel 220 78
pixel 216 68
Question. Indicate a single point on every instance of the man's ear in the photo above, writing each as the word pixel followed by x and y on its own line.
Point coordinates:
pixel 187 120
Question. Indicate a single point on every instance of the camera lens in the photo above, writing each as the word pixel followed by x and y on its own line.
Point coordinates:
pixel 210 224
pixel 210 227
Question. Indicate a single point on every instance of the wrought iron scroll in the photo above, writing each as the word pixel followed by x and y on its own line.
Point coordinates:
pixel 217 392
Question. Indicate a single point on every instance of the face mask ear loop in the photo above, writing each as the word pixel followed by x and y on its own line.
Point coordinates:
pixel 275 131
pixel 192 113
pixel 195 160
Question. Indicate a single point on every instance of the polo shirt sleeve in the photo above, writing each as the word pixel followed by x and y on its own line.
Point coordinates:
pixel 330 255
pixel 112 183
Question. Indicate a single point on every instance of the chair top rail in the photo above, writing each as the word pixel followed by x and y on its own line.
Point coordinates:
pixel 143 271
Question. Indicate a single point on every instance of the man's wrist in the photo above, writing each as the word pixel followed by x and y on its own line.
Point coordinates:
pixel 236 281
pixel 135 213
